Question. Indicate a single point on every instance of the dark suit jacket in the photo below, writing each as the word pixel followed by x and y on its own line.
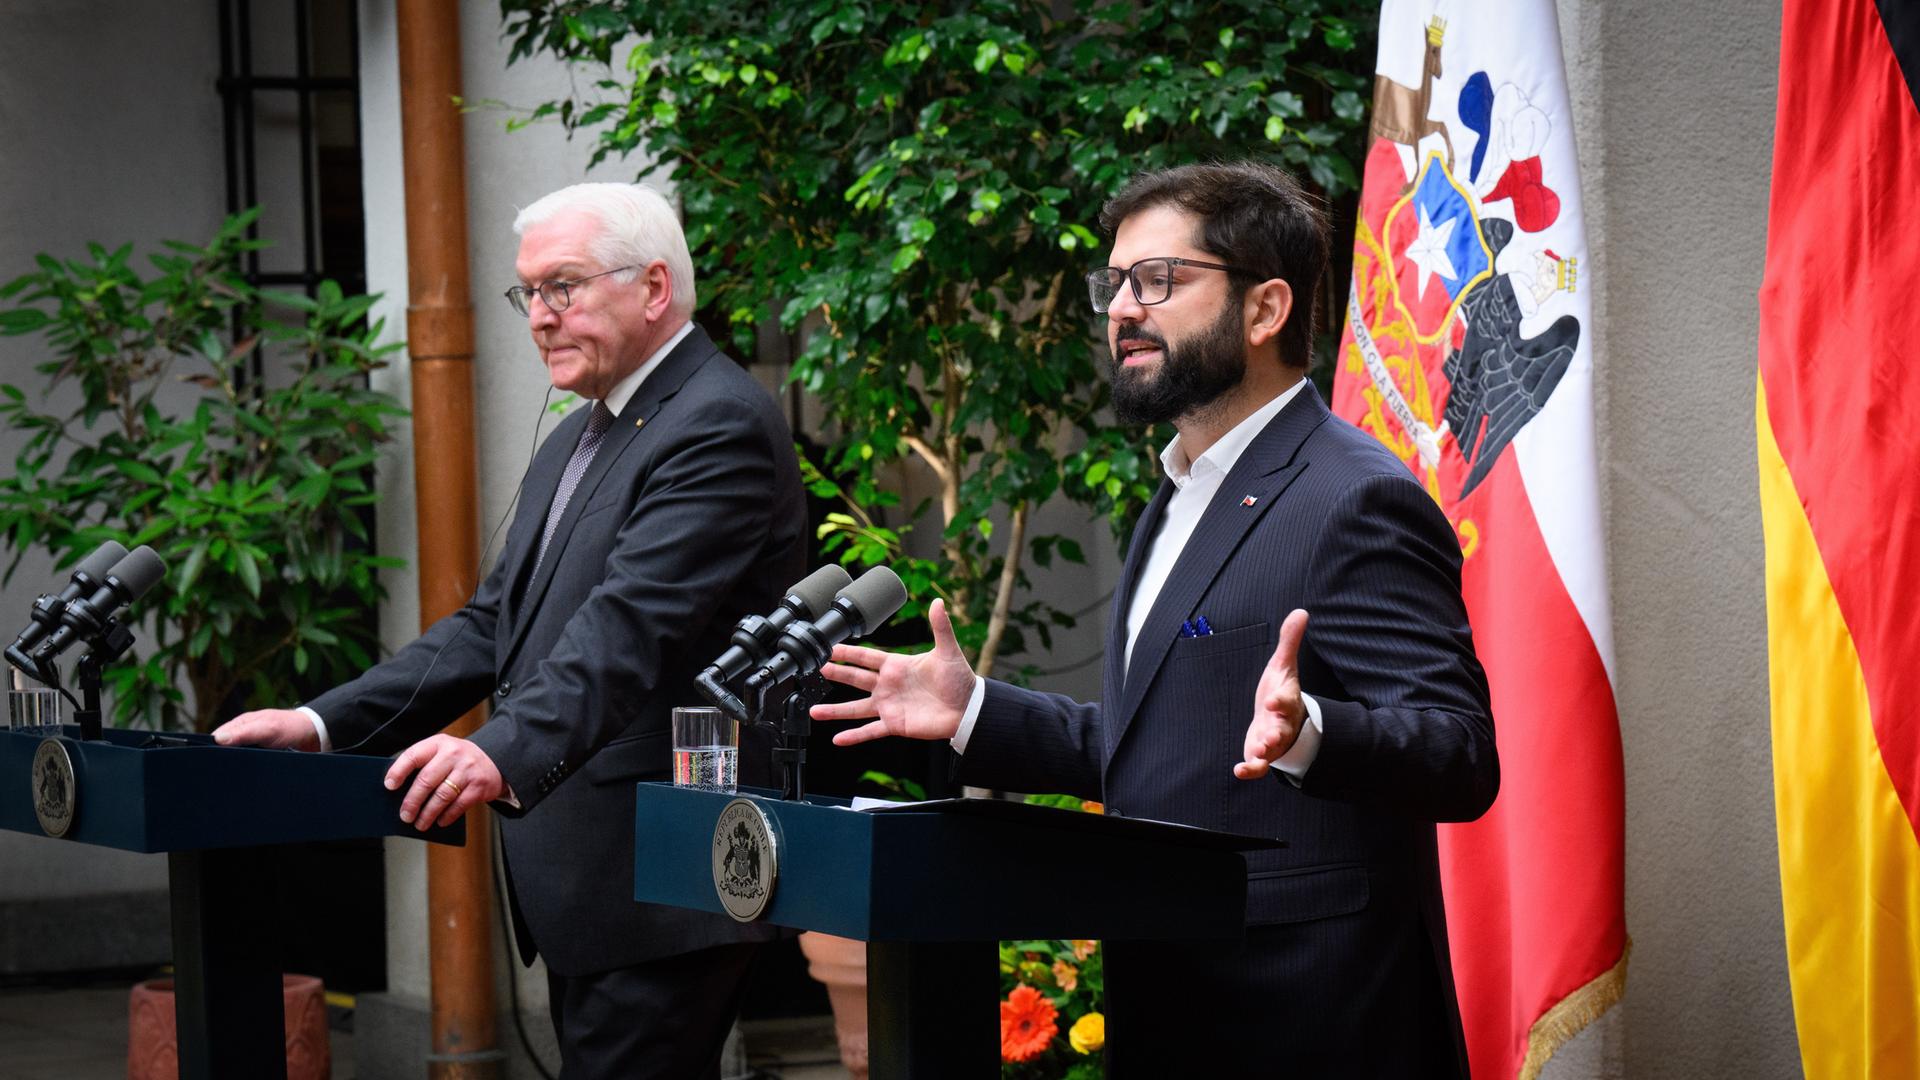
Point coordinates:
pixel 1344 971
pixel 689 518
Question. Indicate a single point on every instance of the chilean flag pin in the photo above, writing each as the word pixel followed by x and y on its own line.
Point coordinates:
pixel 1248 501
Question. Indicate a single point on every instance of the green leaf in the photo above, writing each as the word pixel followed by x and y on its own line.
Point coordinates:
pixel 144 473
pixel 24 320
pixel 249 572
pixel 985 55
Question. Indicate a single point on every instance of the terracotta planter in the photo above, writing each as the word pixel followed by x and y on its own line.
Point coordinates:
pixel 153 1051
pixel 840 964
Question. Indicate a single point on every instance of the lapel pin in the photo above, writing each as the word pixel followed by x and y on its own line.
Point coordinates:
pixel 640 423
pixel 1248 501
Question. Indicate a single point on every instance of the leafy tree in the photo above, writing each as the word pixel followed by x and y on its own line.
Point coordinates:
pixel 915 188
pixel 254 494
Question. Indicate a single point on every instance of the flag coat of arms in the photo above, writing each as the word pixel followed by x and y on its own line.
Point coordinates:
pixel 1841 513
pixel 1467 349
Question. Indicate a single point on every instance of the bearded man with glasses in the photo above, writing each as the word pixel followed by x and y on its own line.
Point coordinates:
pixel 1223 707
pixel 651 520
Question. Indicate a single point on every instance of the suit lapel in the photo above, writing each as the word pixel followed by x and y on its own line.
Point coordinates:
pixel 662 383
pixel 1143 530
pixel 1270 463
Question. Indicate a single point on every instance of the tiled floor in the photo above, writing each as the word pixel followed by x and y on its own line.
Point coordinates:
pixel 80 1033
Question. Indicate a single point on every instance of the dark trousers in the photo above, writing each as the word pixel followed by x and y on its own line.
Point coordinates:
pixel 666 1019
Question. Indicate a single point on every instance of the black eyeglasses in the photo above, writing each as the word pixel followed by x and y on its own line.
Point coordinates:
pixel 1152 280
pixel 554 294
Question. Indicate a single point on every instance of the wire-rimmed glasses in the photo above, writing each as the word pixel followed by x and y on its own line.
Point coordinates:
pixel 554 294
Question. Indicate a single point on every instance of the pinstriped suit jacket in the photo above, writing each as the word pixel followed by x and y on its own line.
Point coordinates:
pixel 1346 935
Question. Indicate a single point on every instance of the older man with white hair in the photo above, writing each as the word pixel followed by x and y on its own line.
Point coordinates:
pixel 648 524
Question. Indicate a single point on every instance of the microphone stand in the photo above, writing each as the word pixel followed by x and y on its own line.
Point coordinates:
pixel 108 646
pixel 795 699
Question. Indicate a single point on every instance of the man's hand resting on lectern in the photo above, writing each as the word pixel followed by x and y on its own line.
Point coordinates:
pixel 273 728
pixel 920 697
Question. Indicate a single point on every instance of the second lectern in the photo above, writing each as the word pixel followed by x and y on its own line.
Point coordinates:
pixel 932 888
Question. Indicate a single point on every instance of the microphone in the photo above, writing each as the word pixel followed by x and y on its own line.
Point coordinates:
pixel 86 579
pixel 754 637
pixel 859 609
pixel 87 617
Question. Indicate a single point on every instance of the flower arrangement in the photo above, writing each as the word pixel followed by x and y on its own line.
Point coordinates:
pixel 1052 999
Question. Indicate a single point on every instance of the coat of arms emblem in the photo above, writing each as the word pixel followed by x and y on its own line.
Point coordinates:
pixel 746 860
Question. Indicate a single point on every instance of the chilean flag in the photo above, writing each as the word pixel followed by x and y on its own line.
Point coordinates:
pixel 1467 349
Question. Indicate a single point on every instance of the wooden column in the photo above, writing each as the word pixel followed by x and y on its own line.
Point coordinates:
pixel 440 347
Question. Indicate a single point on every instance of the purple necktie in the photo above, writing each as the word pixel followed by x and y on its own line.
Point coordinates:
pixel 596 429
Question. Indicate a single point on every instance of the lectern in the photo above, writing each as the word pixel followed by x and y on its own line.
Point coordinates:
pixel 932 888
pixel 209 807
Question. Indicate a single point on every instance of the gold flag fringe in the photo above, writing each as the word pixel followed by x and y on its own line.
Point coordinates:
pixel 1572 1013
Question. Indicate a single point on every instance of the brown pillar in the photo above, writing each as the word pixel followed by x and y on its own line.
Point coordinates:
pixel 440 346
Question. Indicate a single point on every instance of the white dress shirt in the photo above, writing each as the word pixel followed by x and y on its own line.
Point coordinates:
pixel 1195 484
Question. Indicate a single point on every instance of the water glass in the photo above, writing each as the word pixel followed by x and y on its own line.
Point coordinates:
pixel 706 749
pixel 34 710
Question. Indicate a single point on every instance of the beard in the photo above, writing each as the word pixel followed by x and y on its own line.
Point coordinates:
pixel 1192 376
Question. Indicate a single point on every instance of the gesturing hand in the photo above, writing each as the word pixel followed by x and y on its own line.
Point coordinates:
pixel 455 776
pixel 920 697
pixel 1278 711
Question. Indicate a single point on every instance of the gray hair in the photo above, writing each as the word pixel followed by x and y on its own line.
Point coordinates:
pixel 637 226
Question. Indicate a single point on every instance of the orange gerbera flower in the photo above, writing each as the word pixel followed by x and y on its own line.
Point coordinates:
pixel 1026 1024
pixel 1092 807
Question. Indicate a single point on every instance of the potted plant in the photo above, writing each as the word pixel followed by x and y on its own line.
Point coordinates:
pixel 231 429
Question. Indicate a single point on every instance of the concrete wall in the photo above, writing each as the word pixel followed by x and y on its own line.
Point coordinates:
pixel 1673 105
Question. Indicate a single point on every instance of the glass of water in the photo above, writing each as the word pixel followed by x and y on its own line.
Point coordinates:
pixel 706 749
pixel 34 710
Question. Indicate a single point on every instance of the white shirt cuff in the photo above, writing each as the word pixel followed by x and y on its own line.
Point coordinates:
pixel 1306 745
pixel 319 727
pixel 970 717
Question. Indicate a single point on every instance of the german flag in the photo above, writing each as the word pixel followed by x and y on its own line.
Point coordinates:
pixel 1837 413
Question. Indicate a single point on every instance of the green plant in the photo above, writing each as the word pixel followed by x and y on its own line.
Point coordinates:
pixel 255 493
pixel 897 788
pixel 914 188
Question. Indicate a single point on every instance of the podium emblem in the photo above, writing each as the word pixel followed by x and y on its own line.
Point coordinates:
pixel 55 794
pixel 746 860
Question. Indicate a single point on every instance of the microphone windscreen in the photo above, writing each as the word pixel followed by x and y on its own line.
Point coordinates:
pixel 141 570
pixel 817 590
pixel 99 564
pixel 876 595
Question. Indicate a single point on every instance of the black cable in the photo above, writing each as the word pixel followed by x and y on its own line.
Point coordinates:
pixel 478 580
pixel 506 940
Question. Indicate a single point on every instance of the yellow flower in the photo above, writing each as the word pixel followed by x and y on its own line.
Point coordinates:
pixel 1065 975
pixel 1089 1033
